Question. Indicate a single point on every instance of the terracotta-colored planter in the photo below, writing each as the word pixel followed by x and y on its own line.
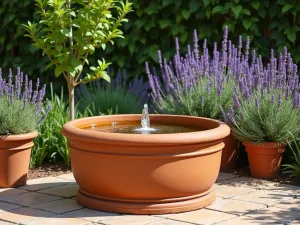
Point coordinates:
pixel 264 159
pixel 14 159
pixel 230 153
pixel 145 173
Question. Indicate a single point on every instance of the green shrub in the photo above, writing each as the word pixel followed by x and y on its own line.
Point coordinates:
pixel 198 101
pixel 50 145
pixel 20 104
pixel 154 24
pixel 116 97
pixel 267 117
pixel 293 168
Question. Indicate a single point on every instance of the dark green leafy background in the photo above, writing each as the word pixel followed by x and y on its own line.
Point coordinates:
pixel 154 24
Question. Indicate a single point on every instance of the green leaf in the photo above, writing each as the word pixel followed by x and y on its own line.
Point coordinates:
pixel 236 10
pixel 185 14
pixel 72 13
pixel 58 71
pixel 164 23
pixel 246 12
pixel 217 9
pixel 287 7
pixel 292 36
pixel 194 5
pixel 206 2
pixel 207 13
pixel 247 23
pixel 255 4
pixel 91 48
pixel 152 51
pixel 105 77
pixel 166 2
pixel 74 61
pixel 131 48
pixel 262 12
pixel 79 68
pixel 66 32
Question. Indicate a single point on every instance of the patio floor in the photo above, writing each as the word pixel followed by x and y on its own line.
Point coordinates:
pixel 240 200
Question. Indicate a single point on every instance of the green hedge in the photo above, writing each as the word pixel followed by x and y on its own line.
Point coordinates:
pixel 155 23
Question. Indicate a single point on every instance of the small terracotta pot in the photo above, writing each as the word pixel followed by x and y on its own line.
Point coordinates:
pixel 230 153
pixel 264 159
pixel 14 159
pixel 146 173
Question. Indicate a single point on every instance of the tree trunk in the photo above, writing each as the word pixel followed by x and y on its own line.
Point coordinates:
pixel 71 85
pixel 71 89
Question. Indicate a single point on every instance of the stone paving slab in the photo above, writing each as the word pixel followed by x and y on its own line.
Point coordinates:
pixel 168 222
pixel 90 215
pixel 24 215
pixel 293 204
pixel 275 214
pixel 240 201
pixel 59 206
pixel 264 197
pixel 227 191
pixel 236 207
pixel 129 219
pixel 67 191
pixel 10 191
pixel 4 206
pixel 67 176
pixel 45 182
pixel 29 198
pixel 5 223
pixel 57 221
pixel 244 220
pixel 202 216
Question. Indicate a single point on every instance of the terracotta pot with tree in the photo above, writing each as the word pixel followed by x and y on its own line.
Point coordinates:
pixel 21 110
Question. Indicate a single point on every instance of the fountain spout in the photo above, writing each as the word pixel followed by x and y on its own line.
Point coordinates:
pixel 145 121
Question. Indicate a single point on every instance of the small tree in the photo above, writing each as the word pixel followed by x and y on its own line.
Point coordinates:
pixel 70 30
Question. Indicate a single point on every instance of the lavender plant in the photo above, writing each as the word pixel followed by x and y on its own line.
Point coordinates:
pixel 266 101
pixel 197 84
pixel 117 97
pixel 21 104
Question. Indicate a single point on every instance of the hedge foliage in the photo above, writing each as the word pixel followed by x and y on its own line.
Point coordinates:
pixel 154 24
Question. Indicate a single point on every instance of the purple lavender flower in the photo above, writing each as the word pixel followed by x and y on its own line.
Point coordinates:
pixel 273 99
pixel 236 101
pixel 231 115
pixel 11 97
pixel 196 50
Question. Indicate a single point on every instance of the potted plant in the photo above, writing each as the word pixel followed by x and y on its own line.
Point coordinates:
pixel 20 114
pixel 196 84
pixel 266 115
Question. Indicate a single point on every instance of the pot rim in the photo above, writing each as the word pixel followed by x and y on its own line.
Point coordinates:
pixel 19 137
pixel 221 130
pixel 266 144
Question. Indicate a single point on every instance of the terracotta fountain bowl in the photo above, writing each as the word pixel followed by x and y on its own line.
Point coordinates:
pixel 146 173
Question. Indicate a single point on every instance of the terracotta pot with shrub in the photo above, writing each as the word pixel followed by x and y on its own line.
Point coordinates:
pixel 266 117
pixel 21 110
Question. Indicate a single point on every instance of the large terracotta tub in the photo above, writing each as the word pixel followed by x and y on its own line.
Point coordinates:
pixel 146 173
